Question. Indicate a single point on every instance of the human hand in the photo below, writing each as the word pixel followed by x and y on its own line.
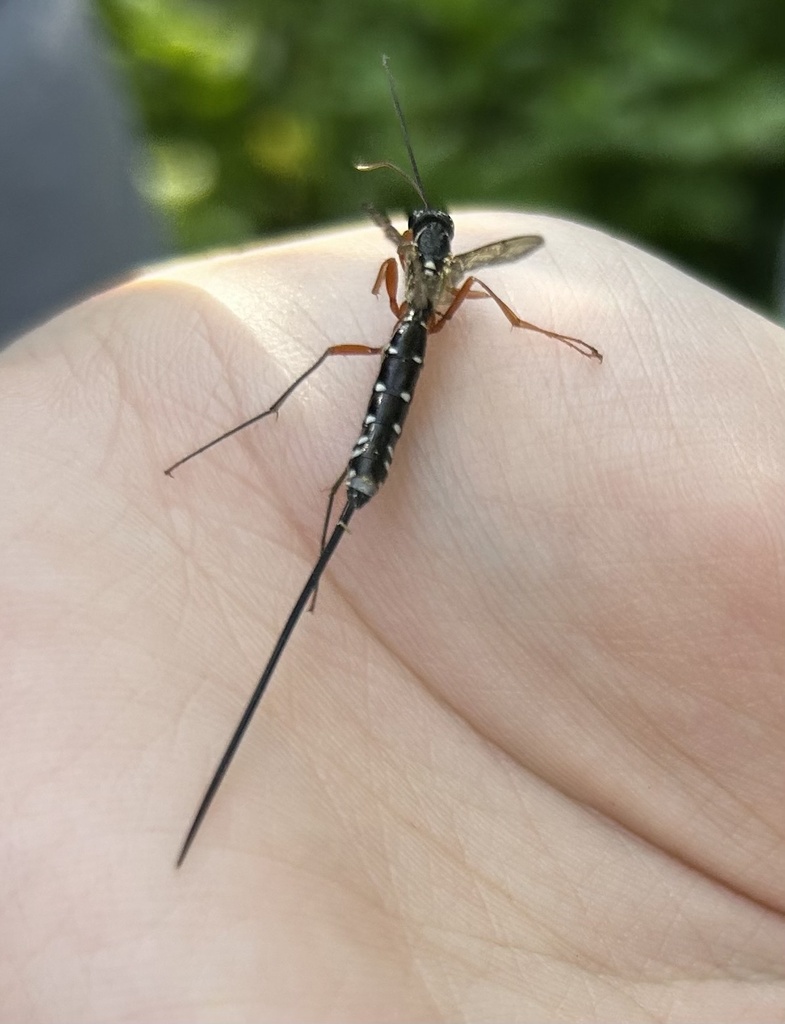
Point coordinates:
pixel 524 763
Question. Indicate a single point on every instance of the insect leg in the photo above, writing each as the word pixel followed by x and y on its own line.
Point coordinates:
pixel 330 502
pixel 334 350
pixel 326 527
pixel 388 274
pixel 459 297
pixel 381 220
pixel 464 291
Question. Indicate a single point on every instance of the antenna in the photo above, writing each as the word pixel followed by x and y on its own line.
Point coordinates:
pixel 398 170
pixel 404 129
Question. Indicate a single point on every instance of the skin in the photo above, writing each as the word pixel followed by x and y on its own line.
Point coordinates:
pixel 525 762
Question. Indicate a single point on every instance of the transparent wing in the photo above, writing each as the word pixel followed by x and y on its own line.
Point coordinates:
pixel 506 251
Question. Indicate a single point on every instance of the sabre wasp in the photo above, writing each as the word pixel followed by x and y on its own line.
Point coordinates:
pixel 435 285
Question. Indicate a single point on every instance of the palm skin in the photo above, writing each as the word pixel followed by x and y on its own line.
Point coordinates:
pixel 525 761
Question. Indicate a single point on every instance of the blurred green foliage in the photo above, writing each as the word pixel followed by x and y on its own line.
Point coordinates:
pixel 661 120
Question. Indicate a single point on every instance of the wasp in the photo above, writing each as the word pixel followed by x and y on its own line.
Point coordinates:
pixel 436 283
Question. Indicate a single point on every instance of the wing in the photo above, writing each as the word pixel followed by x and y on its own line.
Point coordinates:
pixel 506 251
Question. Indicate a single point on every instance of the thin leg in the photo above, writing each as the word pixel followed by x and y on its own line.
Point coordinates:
pixel 465 291
pixel 328 514
pixel 382 220
pixel 334 350
pixel 326 526
pixel 388 274
pixel 440 319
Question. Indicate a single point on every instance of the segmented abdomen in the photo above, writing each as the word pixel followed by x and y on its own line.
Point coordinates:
pixel 387 409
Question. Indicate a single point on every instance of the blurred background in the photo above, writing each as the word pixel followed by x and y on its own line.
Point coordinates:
pixel 661 121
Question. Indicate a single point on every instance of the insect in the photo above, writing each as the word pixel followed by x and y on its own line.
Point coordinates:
pixel 435 285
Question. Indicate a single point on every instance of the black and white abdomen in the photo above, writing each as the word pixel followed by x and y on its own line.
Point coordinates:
pixel 387 410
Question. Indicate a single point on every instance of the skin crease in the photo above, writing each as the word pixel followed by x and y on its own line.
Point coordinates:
pixel 525 762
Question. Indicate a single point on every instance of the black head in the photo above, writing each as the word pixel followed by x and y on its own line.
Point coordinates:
pixel 432 231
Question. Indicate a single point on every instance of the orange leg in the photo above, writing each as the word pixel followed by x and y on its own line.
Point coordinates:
pixel 334 350
pixel 465 292
pixel 388 275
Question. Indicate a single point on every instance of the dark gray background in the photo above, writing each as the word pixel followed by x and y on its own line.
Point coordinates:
pixel 70 218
